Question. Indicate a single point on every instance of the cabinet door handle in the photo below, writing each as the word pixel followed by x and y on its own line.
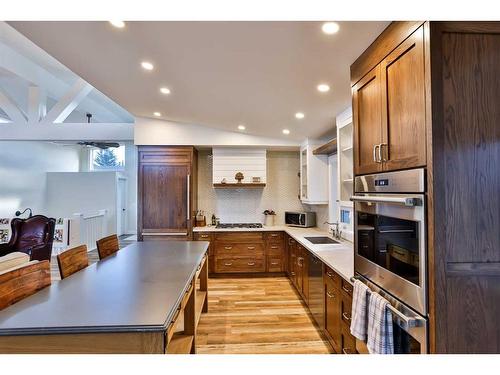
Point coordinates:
pixel 346 289
pixel 188 179
pixel 375 153
pixel 274 247
pixel 347 351
pixel 346 316
pixel 251 263
pixel 204 236
pixel 274 235
pixel 292 273
pixel 228 247
pixel 330 295
pixel 274 263
pixel 250 247
pixel 329 274
pixel 380 152
pixel 228 264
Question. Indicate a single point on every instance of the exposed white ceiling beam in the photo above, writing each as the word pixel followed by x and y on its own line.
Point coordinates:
pixel 68 132
pixel 11 109
pixel 67 104
pixel 37 105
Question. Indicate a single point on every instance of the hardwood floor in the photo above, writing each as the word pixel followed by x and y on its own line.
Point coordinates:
pixel 257 316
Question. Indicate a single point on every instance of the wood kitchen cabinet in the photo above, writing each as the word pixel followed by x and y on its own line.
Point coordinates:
pixel 333 308
pixel 389 111
pixel 301 271
pixel 207 236
pixel 275 251
pixel 292 260
pixel 167 190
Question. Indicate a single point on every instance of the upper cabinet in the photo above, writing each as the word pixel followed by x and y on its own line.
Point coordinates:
pixel 313 174
pixel 389 111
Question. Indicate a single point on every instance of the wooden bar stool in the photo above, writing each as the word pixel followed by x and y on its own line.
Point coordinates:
pixel 24 281
pixel 72 260
pixel 107 246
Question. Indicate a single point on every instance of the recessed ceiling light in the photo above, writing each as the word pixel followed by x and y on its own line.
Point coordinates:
pixel 286 131
pixel 323 87
pixel 147 65
pixel 165 90
pixel 241 127
pixel 330 28
pixel 157 114
pixel 118 24
pixel 299 115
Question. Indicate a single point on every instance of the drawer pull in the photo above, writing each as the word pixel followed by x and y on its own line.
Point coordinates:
pixel 347 351
pixel 292 273
pixel 274 263
pixel 330 295
pixel 274 235
pixel 204 236
pixel 346 316
pixel 274 247
pixel 329 274
pixel 228 264
pixel 251 263
pixel 347 290
pixel 228 247
pixel 251 247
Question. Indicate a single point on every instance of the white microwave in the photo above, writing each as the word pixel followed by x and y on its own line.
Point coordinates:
pixel 300 219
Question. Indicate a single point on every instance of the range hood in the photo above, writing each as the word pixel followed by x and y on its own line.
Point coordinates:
pixel 228 162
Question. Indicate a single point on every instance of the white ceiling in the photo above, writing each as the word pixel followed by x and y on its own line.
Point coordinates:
pixel 221 74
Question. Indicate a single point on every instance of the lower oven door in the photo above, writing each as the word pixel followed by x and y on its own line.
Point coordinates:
pixel 390 246
pixel 410 329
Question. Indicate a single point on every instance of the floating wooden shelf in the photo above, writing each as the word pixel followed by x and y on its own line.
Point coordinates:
pixel 240 186
pixel 180 344
pixel 329 148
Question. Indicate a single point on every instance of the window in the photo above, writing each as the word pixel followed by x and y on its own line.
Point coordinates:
pixel 110 159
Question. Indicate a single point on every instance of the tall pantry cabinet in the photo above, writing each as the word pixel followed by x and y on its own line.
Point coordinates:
pixel 167 192
pixel 426 94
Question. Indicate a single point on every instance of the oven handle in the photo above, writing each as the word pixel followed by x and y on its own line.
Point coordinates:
pixel 409 321
pixel 410 202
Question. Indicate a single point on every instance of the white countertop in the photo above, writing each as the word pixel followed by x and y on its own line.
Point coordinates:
pixel 339 257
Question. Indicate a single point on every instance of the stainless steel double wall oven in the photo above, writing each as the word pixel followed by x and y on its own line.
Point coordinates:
pixel 391 251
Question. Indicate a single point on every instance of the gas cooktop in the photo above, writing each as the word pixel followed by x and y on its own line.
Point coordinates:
pixel 238 225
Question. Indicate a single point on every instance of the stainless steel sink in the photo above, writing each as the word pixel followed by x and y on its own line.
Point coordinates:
pixel 321 240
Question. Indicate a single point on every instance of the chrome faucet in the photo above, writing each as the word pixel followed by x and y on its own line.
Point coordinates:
pixel 336 232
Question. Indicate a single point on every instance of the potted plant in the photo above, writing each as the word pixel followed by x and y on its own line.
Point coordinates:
pixel 269 218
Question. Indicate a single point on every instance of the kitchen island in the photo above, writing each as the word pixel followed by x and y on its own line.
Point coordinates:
pixel 143 299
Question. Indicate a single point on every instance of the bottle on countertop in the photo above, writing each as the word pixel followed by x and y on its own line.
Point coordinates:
pixel 214 222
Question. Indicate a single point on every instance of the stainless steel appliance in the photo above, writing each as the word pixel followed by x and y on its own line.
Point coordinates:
pixel 409 327
pixel 300 219
pixel 390 234
pixel 239 225
pixel 316 290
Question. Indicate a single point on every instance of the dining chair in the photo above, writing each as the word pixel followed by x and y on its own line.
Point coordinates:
pixel 23 281
pixel 107 246
pixel 72 260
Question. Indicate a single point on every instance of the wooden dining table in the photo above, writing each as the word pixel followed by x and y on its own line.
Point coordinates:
pixel 125 303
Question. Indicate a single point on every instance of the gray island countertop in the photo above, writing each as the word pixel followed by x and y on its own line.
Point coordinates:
pixel 137 289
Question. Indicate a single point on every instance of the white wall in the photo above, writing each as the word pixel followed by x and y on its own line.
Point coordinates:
pixel 130 174
pixel 23 169
pixel 82 192
pixel 160 132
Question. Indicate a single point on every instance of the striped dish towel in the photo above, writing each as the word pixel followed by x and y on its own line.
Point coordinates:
pixel 359 316
pixel 380 338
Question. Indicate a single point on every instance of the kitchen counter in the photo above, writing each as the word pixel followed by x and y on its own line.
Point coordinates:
pixel 136 290
pixel 339 257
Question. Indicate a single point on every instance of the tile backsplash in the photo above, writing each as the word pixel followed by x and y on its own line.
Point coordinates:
pixel 246 205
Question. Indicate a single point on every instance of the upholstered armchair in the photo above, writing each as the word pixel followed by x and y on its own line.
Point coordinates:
pixel 33 236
